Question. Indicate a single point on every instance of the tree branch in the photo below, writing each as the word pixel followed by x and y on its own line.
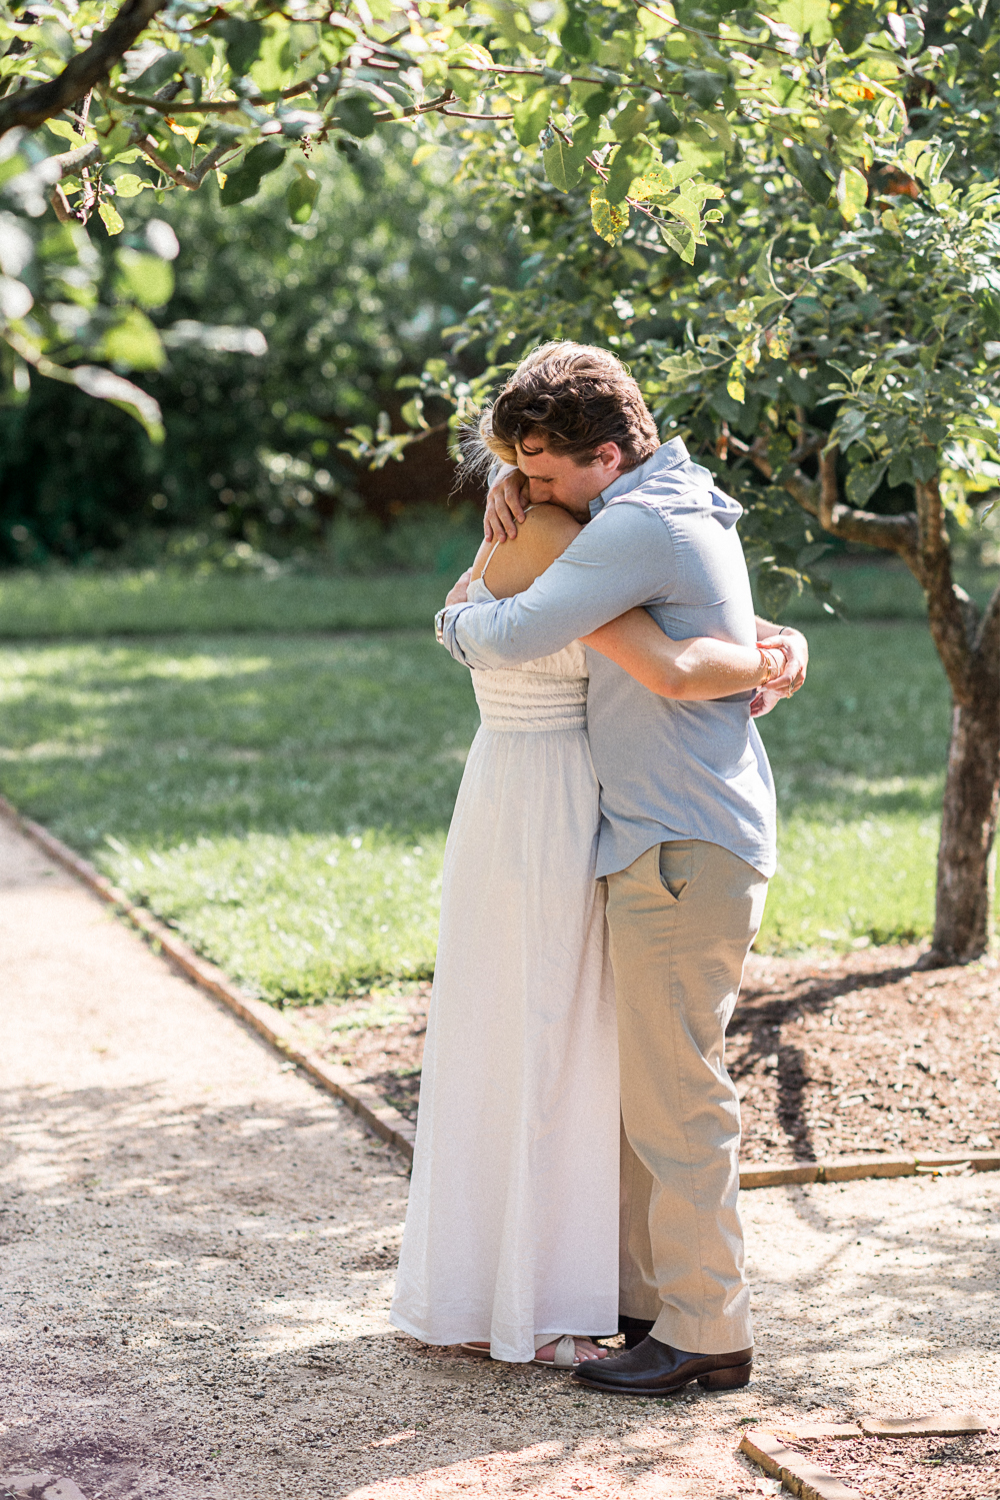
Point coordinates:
pixel 194 179
pixel 32 107
pixel 892 533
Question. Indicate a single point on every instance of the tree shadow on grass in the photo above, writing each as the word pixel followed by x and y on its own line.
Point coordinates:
pixel 168 741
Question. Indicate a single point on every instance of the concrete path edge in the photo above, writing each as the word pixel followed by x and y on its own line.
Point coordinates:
pixel 378 1114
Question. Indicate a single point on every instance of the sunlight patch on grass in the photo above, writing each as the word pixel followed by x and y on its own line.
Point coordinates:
pixel 296 919
pixel 839 883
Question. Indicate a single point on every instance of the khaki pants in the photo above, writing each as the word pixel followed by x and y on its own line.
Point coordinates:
pixel 682 918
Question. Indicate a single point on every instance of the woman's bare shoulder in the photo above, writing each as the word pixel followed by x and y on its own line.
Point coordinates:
pixel 546 523
pixel 545 532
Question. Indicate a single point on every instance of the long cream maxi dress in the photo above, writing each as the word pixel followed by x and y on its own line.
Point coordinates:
pixel 512 1227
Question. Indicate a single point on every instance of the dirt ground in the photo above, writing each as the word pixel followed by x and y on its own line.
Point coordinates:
pixel 196 1261
pixel 832 1057
pixel 954 1468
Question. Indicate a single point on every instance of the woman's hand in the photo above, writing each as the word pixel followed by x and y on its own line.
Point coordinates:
pixel 796 650
pixel 459 592
pixel 505 504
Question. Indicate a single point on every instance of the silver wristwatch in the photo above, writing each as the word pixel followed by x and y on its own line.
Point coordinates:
pixel 439 626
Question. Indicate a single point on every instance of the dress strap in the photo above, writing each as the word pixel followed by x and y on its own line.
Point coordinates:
pixel 496 545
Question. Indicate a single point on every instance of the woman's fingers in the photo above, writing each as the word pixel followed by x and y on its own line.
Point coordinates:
pixel 459 593
pixel 796 653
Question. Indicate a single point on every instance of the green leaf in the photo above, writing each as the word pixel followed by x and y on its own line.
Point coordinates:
pixel 302 194
pixel 354 114
pixel 129 185
pixel 630 120
pixel 564 164
pixel 850 273
pixel 64 130
pixel 146 278
pixel 575 36
pixel 703 87
pixel 113 221
pixel 531 117
pixel 680 238
pixel 925 462
pixel 808 18
pixel 609 222
pixel 134 342
pixel 852 193
pixel 273 68
pixel 245 181
pixel 242 39
pixel 901 468
pixel 627 164
pixel 158 73
pixel 809 172
pixel 863 481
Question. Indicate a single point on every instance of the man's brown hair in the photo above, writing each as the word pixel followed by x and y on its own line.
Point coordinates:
pixel 577 396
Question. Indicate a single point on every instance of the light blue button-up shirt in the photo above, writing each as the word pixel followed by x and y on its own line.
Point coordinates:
pixel 665 537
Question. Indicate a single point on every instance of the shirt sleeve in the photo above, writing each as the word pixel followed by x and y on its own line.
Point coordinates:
pixel 623 558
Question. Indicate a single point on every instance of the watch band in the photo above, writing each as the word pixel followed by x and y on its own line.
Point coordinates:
pixel 439 626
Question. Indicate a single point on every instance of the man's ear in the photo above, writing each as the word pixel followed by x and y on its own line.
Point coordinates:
pixel 609 455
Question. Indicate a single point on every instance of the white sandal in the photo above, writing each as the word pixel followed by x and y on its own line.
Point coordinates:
pixel 564 1356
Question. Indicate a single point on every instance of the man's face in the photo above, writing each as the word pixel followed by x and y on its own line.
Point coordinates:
pixel 556 479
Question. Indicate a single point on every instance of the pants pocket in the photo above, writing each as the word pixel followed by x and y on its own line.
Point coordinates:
pixel 675 867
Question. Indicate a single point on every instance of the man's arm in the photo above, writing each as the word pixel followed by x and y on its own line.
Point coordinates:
pixel 623 558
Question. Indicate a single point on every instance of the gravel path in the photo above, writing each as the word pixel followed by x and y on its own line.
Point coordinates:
pixel 197 1247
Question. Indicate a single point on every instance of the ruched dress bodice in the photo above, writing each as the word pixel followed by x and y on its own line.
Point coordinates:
pixel 535 697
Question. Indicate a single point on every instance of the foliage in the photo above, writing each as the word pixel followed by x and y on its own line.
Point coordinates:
pixel 227 781
pixel 818 299
pixel 637 107
pixel 277 341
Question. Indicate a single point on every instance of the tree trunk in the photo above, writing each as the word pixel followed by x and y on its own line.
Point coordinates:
pixel 968 824
pixel 969 649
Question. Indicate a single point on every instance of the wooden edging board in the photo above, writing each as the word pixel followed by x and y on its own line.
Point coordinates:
pixel 378 1114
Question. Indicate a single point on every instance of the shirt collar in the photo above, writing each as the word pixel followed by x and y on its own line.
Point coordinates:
pixel 667 456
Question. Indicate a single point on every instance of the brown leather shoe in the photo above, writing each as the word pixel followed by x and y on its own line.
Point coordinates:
pixel 655 1369
pixel 634 1329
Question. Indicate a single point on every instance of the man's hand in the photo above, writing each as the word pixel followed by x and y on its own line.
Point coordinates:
pixel 505 504
pixel 459 593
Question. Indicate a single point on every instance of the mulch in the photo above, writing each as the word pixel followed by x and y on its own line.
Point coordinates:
pixel 833 1055
pixel 952 1468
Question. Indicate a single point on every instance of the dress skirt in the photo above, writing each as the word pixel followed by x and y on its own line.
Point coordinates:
pixel 512 1227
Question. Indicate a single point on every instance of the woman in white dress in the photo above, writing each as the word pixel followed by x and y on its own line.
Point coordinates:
pixel 511 1239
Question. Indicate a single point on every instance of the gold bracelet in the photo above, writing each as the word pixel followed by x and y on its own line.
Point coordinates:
pixel 767 660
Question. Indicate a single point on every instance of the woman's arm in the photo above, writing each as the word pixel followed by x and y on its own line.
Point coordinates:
pixel 693 669
pixel 794 645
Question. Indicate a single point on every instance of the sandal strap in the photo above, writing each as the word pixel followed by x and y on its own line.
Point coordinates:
pixel 565 1353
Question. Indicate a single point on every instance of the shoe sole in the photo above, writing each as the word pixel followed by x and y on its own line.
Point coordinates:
pixel 730 1379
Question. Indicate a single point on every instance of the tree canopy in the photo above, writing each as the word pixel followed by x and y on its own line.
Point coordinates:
pixel 644 108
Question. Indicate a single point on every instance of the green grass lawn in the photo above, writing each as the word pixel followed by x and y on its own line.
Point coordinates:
pixel 284 799
pixel 152 601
